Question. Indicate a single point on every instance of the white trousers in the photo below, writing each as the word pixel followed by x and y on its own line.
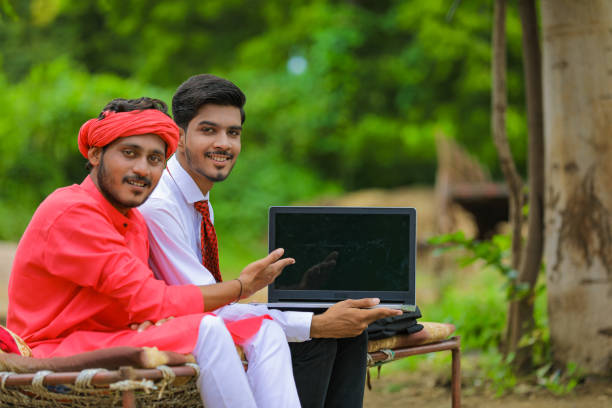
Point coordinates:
pixel 223 382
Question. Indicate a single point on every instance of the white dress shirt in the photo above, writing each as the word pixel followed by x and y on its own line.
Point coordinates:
pixel 175 254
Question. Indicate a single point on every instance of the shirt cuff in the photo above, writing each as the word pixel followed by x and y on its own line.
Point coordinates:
pixel 297 325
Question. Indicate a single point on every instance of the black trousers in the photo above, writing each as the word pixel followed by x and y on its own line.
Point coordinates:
pixel 330 372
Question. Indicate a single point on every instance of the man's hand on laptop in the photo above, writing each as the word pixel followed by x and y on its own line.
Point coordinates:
pixel 261 273
pixel 348 318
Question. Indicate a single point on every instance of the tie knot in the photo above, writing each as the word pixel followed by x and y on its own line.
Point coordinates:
pixel 202 207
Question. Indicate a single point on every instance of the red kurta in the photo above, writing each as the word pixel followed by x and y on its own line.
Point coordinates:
pixel 80 277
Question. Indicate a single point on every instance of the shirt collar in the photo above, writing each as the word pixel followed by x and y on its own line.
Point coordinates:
pixel 190 190
pixel 120 221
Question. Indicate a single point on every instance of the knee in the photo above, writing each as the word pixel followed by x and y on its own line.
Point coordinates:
pixel 321 350
pixel 273 331
pixel 212 325
pixel 270 337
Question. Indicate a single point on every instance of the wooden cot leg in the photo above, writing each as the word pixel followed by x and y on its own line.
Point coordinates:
pixel 129 400
pixel 456 378
pixel 128 396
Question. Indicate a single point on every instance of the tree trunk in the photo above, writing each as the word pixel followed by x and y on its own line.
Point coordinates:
pixel 520 319
pixel 577 66
pixel 498 122
pixel 520 316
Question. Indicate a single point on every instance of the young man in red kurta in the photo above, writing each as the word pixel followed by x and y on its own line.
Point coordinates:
pixel 80 277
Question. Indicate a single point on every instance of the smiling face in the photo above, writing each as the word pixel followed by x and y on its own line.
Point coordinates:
pixel 208 149
pixel 127 170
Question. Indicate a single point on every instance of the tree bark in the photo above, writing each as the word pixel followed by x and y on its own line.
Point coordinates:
pixel 577 66
pixel 520 312
pixel 520 316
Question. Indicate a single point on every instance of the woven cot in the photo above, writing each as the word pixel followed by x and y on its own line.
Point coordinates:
pixel 133 377
pixel 163 386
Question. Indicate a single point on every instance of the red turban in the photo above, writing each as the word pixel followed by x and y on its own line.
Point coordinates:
pixel 101 132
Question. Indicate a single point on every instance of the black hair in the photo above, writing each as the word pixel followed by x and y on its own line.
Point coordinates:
pixel 200 90
pixel 127 105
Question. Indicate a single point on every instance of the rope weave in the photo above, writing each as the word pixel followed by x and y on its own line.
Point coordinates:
pixel 3 377
pixel 9 395
pixel 85 377
pixel 37 381
pixel 169 378
pixel 81 393
pixel 130 385
pixel 195 367
pixel 390 355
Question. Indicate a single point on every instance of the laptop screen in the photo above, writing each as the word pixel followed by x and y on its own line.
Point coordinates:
pixel 344 252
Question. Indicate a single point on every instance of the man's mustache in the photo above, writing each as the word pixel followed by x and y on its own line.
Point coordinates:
pixel 226 154
pixel 145 180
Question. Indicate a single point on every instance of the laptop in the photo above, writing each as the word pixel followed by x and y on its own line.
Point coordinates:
pixel 342 253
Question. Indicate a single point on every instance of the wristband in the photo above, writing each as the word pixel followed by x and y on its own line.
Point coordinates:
pixel 240 294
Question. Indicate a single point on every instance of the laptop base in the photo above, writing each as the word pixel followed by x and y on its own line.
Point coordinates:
pixel 311 306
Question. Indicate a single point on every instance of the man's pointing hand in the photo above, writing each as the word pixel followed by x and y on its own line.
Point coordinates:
pixel 262 272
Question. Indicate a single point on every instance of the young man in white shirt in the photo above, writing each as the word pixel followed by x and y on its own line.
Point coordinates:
pixel 329 349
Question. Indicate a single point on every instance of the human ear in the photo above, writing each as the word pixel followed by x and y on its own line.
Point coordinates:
pixel 182 137
pixel 93 155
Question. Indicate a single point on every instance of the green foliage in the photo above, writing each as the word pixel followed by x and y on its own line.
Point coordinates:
pixel 6 10
pixel 498 369
pixel 559 382
pixel 379 79
pixel 40 123
pixel 485 331
pixel 494 253
pixel 41 119
pixel 478 310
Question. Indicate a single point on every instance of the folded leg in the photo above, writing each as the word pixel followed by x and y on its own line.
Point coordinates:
pixel 270 373
pixel 222 381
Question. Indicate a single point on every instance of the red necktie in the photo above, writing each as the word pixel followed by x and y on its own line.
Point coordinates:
pixel 208 241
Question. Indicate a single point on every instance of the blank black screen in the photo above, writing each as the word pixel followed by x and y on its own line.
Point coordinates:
pixel 361 252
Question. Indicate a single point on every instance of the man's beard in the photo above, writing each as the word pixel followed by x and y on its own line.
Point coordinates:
pixel 105 189
pixel 214 178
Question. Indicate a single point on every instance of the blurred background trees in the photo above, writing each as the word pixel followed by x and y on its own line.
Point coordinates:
pixel 341 95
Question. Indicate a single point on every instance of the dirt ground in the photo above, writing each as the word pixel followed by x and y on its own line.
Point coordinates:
pixel 420 388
